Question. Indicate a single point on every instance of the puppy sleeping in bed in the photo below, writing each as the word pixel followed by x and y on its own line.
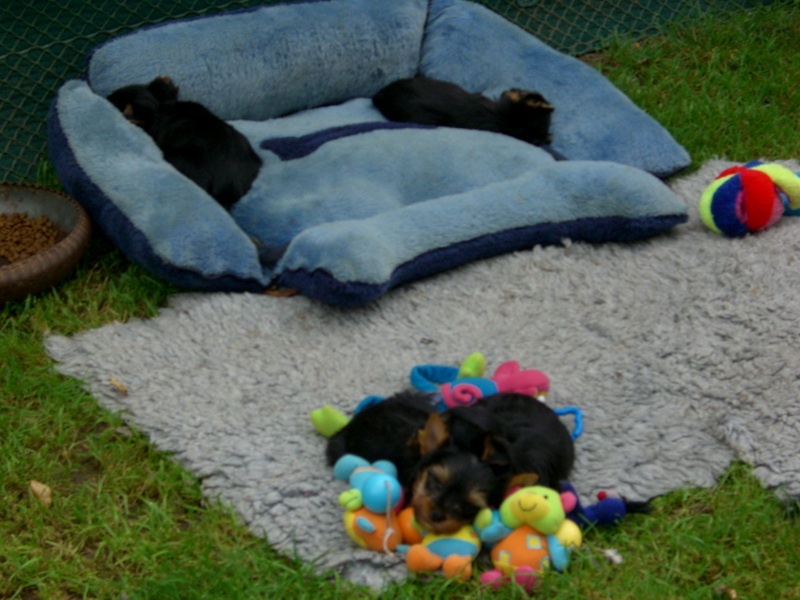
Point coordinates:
pixel 194 140
pixel 521 114
pixel 220 160
pixel 458 462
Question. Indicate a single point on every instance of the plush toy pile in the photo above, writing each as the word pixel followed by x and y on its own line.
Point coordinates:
pixel 536 528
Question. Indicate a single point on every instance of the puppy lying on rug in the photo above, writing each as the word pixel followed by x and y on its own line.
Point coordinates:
pixel 455 464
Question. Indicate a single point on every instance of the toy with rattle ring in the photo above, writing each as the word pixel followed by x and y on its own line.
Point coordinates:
pixel 372 502
pixel 747 199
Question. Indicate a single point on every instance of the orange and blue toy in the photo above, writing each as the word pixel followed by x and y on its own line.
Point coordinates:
pixel 746 199
pixel 529 534
pixel 451 553
pixel 371 503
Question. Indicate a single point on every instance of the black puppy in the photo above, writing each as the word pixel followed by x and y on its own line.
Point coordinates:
pixel 452 484
pixel 437 456
pixel 456 463
pixel 388 430
pixel 529 444
pixel 522 114
pixel 193 139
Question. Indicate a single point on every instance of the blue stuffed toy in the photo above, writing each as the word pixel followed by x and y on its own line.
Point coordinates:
pixel 607 510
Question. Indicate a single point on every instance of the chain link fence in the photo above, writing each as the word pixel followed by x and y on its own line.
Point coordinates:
pixel 44 43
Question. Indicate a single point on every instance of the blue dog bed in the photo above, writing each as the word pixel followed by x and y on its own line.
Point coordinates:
pixel 348 205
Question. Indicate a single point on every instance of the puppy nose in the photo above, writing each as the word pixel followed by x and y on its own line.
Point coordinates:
pixel 437 515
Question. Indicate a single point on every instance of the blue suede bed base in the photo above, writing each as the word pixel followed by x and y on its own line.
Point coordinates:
pixel 347 205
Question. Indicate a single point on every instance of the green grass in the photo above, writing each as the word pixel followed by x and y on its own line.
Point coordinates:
pixel 723 87
pixel 127 522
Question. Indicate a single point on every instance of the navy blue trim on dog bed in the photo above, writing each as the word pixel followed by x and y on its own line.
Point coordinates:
pixel 321 286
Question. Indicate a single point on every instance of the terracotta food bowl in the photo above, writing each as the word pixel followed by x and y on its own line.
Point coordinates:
pixel 43 234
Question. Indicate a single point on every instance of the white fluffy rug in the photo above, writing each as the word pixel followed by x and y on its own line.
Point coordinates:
pixel 682 352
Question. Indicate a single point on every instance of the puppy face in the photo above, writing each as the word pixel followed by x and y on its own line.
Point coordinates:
pixel 140 103
pixel 450 490
pixel 451 486
pixel 137 104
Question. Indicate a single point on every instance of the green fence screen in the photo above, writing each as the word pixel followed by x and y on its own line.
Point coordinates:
pixel 44 43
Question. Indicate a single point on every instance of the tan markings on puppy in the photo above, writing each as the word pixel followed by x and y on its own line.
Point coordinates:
pixel 523 480
pixel 488 448
pixel 434 435
pixel 420 500
pixel 129 113
pixel 441 474
pixel 493 454
pixel 478 498
pixel 539 104
pixel 431 518
pixel 514 95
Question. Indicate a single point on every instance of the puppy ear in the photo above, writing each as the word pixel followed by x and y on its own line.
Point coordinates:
pixel 163 88
pixel 495 452
pixel 129 112
pixel 434 435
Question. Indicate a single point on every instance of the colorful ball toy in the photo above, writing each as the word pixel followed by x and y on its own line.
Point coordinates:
pixel 749 198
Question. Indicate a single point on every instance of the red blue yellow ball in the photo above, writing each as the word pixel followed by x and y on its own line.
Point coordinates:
pixel 746 199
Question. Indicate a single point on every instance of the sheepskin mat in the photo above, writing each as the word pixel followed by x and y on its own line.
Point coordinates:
pixel 681 350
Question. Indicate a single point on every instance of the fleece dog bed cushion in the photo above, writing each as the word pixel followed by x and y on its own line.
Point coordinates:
pixel 348 205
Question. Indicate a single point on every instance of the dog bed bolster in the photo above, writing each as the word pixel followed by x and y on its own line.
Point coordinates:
pixel 348 205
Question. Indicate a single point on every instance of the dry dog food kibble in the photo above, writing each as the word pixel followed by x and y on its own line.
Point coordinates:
pixel 22 236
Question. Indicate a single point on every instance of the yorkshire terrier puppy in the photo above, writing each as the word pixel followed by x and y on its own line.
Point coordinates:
pixel 529 444
pixel 522 114
pixel 437 456
pixel 389 430
pixel 194 140
pixel 458 462
pixel 452 485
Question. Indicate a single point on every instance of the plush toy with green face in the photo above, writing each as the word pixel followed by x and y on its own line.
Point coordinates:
pixel 530 533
